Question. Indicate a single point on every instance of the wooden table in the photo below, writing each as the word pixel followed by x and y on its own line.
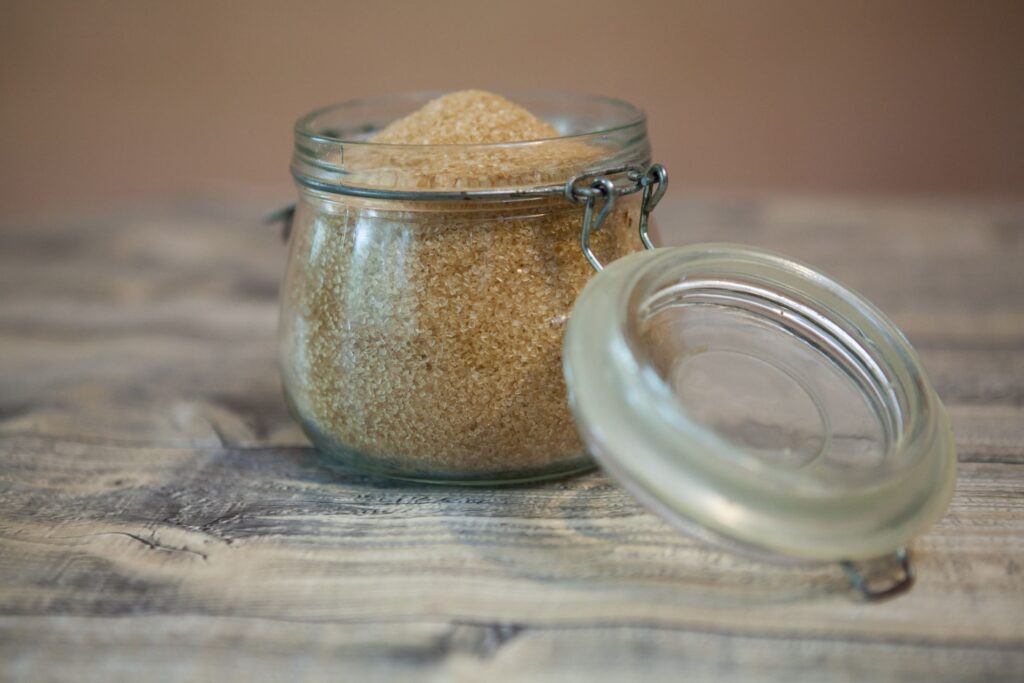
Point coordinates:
pixel 161 518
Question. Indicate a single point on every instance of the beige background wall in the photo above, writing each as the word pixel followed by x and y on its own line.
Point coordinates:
pixel 107 100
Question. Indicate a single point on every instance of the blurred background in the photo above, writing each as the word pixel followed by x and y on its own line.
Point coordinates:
pixel 107 101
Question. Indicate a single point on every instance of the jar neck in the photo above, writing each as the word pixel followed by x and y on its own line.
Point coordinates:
pixel 332 152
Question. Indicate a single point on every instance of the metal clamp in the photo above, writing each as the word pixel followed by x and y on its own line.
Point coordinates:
pixel 652 182
pixel 586 189
pixel 899 585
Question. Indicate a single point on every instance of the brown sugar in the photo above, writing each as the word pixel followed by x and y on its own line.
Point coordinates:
pixel 425 339
pixel 467 117
pixel 468 140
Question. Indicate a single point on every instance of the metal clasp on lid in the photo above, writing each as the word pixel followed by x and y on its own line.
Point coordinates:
pixel 900 584
pixel 652 181
pixel 586 188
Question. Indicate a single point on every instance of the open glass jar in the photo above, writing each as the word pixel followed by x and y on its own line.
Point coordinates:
pixel 436 297
pixel 428 288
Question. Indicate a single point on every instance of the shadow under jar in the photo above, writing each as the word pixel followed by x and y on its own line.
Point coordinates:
pixel 428 288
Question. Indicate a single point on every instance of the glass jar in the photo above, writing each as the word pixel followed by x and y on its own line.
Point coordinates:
pixel 428 287
pixel 748 399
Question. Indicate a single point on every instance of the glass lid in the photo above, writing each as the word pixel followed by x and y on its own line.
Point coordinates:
pixel 753 401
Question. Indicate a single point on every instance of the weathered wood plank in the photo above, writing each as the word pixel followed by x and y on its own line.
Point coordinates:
pixel 161 514
pixel 271 533
pixel 271 650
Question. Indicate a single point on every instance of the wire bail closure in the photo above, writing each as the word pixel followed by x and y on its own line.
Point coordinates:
pixel 652 182
pixel 586 188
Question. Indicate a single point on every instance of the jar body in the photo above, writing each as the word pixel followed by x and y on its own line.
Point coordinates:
pixel 428 287
pixel 424 341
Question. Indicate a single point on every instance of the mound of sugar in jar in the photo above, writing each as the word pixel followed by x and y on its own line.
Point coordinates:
pixel 468 117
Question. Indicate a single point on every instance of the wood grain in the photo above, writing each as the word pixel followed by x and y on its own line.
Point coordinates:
pixel 162 517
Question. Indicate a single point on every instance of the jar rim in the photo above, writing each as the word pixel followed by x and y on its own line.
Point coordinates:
pixel 332 155
pixel 306 127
